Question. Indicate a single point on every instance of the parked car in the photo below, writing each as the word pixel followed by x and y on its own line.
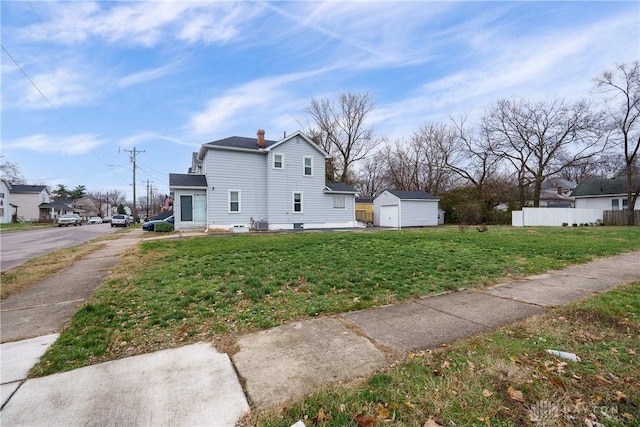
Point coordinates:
pixel 150 225
pixel 95 220
pixel 69 219
pixel 106 219
pixel 120 220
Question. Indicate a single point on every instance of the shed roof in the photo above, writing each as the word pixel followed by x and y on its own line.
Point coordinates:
pixel 412 195
pixel 187 180
pixel 603 186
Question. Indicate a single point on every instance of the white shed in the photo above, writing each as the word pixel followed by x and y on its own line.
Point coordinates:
pixel 397 209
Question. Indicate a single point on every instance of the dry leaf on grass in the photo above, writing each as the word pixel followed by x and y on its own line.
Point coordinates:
pixel 431 423
pixel 515 394
pixel 366 420
pixel 487 393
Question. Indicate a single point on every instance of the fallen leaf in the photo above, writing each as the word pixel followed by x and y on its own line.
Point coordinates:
pixel 628 416
pixel 411 355
pixel 382 411
pixel 431 423
pixel 556 381
pixel 319 418
pixel 445 364
pixel 630 351
pixel 487 393
pixel 614 350
pixel 515 394
pixel 366 420
pixel 408 404
pixel 620 396
pixel 471 365
pixel 343 407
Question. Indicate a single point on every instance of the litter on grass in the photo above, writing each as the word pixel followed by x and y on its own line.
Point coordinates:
pixel 564 355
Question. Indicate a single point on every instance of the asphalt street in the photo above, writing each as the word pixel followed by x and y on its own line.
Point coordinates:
pixel 20 246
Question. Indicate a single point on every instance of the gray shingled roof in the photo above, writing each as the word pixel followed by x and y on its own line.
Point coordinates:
pixel 239 142
pixel 339 186
pixel 186 180
pixel 20 188
pixel 603 187
pixel 558 182
pixel 412 195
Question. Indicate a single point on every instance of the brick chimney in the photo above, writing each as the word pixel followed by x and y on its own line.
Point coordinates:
pixel 260 138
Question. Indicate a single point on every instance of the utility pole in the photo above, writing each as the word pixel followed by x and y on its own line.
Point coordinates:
pixel 148 195
pixel 133 160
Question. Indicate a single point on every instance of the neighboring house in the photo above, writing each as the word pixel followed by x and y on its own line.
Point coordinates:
pixel 607 194
pixel 364 209
pixel 28 200
pixel 240 183
pixel 5 206
pixel 57 208
pixel 397 209
pixel 85 207
pixel 556 193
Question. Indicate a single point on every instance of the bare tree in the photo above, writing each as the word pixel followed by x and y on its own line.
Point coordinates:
pixel 340 129
pixel 543 138
pixel 473 160
pixel 372 176
pixel 433 145
pixel 622 91
pixel 11 172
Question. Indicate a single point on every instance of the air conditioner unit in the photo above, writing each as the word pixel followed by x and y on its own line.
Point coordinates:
pixel 261 225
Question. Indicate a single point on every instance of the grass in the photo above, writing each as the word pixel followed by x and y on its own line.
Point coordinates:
pixel 35 270
pixel 168 293
pixel 21 226
pixel 505 378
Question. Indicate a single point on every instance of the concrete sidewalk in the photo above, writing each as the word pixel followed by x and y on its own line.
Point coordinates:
pixel 197 385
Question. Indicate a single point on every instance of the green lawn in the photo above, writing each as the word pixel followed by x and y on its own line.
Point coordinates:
pixel 172 292
pixel 21 226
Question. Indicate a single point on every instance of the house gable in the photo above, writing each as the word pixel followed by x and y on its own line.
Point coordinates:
pixel 281 183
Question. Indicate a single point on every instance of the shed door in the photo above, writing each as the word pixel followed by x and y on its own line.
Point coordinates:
pixel 389 216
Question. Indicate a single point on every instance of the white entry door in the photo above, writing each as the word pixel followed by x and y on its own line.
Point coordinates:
pixel 389 216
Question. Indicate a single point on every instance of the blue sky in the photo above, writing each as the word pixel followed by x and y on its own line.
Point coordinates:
pixel 165 77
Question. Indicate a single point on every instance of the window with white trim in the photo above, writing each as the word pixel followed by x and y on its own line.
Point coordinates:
pixel 234 201
pixel 297 202
pixel 278 161
pixel 339 201
pixel 307 166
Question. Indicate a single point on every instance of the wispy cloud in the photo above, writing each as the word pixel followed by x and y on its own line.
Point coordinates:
pixel 62 87
pixel 145 137
pixel 266 97
pixel 148 75
pixel 69 145
pixel 140 23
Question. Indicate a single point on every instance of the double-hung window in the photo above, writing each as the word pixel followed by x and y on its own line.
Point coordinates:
pixel 297 202
pixel 234 201
pixel 339 201
pixel 308 166
pixel 278 161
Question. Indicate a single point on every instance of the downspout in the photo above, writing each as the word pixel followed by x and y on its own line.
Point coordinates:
pixel 399 213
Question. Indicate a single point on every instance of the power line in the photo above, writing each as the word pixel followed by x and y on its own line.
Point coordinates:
pixel 56 109
pixel 133 160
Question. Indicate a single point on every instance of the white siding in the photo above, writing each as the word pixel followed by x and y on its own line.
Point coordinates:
pixel 317 207
pixel 232 170
pixel 178 223
pixel 603 203
pixel 384 199
pixel 5 209
pixel 29 204
pixel 418 213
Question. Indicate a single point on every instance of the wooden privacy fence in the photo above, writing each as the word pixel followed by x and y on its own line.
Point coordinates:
pixel 364 216
pixel 619 217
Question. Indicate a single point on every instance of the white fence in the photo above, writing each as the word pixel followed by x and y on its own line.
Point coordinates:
pixel 530 217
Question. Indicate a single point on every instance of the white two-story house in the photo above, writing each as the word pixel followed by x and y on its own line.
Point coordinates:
pixel 253 183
